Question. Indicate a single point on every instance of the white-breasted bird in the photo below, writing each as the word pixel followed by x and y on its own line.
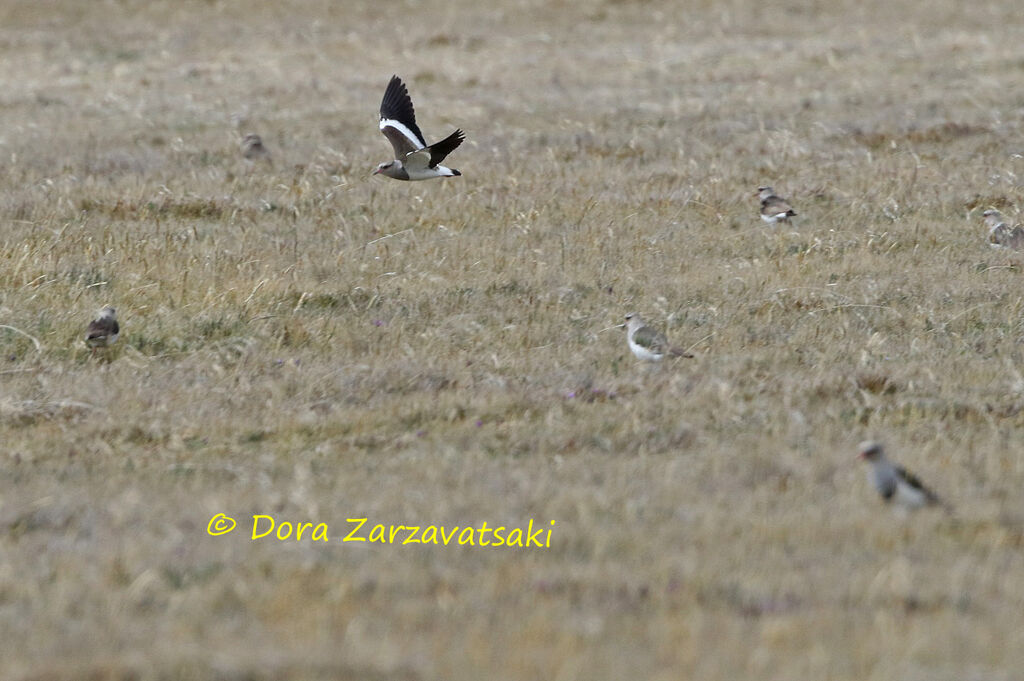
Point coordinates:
pixel 893 482
pixel 647 343
pixel 414 160
pixel 104 330
pixel 1000 234
pixel 774 208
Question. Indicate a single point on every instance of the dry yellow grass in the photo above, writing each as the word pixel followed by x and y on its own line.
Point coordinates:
pixel 302 341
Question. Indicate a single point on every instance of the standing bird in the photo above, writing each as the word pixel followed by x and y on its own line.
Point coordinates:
pixel 1000 235
pixel 103 331
pixel 253 149
pixel 894 482
pixel 774 208
pixel 414 160
pixel 647 343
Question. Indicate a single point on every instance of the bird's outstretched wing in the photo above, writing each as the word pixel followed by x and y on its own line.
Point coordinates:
pixel 429 157
pixel 438 150
pixel 398 119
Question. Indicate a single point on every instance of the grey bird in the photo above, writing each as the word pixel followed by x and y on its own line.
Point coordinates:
pixel 647 343
pixel 414 160
pixel 893 482
pixel 103 331
pixel 774 208
pixel 253 148
pixel 1000 234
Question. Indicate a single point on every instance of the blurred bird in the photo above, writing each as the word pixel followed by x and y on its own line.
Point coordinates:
pixel 1000 234
pixel 253 149
pixel 894 482
pixel 103 331
pixel 774 208
pixel 414 160
pixel 647 343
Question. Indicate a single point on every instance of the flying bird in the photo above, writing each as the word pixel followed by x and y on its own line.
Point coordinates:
pixel 647 343
pixel 774 208
pixel 103 331
pixel 414 160
pixel 1000 234
pixel 894 482
pixel 253 149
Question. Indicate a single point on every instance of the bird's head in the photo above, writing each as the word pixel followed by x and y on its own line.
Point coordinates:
pixel 992 217
pixel 108 313
pixel 870 451
pixel 764 192
pixel 383 167
pixel 632 319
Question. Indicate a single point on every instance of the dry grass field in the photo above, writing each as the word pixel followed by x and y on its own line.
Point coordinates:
pixel 303 341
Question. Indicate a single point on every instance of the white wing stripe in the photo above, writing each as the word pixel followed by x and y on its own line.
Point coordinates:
pixel 406 132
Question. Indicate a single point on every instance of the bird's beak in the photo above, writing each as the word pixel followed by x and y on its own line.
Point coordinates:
pixel 375 171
